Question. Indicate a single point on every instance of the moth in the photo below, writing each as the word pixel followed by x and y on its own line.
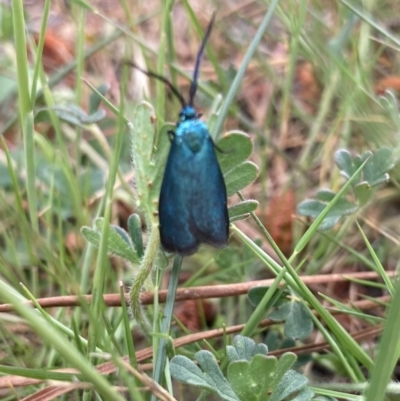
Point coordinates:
pixel 193 199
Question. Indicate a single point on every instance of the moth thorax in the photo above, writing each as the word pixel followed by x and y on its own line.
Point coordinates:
pixel 194 140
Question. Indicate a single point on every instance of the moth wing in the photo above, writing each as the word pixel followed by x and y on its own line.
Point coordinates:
pixel 175 202
pixel 209 219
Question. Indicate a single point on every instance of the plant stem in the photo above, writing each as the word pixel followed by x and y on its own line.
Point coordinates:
pixel 166 323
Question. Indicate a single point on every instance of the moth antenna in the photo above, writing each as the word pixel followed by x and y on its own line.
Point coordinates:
pixel 160 78
pixel 193 86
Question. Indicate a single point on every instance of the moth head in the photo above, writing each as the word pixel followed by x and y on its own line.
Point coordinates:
pixel 188 113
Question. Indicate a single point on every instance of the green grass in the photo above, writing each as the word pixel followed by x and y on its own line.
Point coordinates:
pixel 57 176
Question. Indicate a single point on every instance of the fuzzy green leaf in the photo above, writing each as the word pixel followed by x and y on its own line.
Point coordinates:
pixel 313 208
pixel 298 322
pixel 135 231
pixel 344 162
pixel 256 294
pixel 305 394
pixel 239 217
pixel 285 362
pixel 375 171
pixel 242 382
pixel 363 192
pixel 91 235
pixel 250 380
pixel 325 195
pixel 240 176
pixel 74 114
pixel 244 348
pixel 149 169
pixel 291 382
pixel 209 377
pixel 242 208
pixel 252 375
pixel 236 147
pixel 117 244
pixel 122 233
pixel 94 117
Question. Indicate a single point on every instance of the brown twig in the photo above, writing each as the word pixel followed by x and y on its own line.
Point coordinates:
pixel 203 292
pixel 146 353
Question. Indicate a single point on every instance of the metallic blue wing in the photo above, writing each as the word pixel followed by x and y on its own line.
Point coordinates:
pixel 209 207
pixel 193 201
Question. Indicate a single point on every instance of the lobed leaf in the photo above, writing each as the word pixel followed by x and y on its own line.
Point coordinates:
pixel 236 148
pixel 244 348
pixel 291 382
pixel 313 208
pixel 118 242
pixel 298 322
pixel 256 294
pixel 375 171
pixel 210 378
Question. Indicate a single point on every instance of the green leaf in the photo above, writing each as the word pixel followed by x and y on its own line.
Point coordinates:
pixel 262 371
pixel 209 377
pixel 242 382
pixel 338 43
pixel 95 117
pixel 390 104
pixel 117 243
pixel 122 233
pixel 239 217
pixel 95 99
pixel 305 394
pixel 373 174
pixel 345 163
pixel 244 348
pixel 242 208
pixel 252 375
pixel 273 340
pixel 363 192
pixel 313 208
pixel 91 181
pixel 325 195
pixel 298 322
pixel 227 257
pixel 375 171
pixel 251 380
pixel 256 294
pixel 135 231
pixel 291 382
pixel 261 376
pixel 236 147
pixel 149 168
pixel 240 176
pixel 91 235
pixel 72 114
